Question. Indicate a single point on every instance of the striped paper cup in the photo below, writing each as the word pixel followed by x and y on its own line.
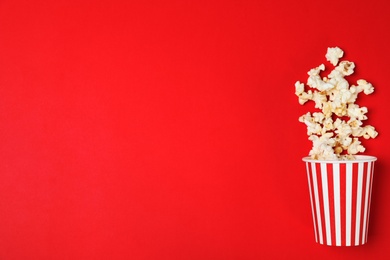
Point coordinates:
pixel 340 195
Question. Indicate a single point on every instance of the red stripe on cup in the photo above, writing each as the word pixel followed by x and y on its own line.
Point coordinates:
pixel 330 176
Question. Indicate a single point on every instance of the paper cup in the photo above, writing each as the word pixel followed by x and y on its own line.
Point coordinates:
pixel 340 195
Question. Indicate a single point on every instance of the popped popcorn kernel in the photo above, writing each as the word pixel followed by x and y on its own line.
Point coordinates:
pixel 335 130
pixel 367 87
pixel 346 67
pixel 354 111
pixel 303 96
pixel 333 55
pixel 328 124
pixel 370 131
pixel 340 110
pixel 318 117
pixel 299 88
pixel 319 98
pixel 355 147
pixel 322 147
pixel 327 109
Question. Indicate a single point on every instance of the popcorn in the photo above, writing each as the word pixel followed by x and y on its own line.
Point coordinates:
pixel 323 146
pixel 315 81
pixel 336 128
pixel 370 132
pixel 300 92
pixel 367 87
pixel 355 147
pixel 327 109
pixel 333 55
pixel 328 124
pixel 313 127
pixel 346 67
pixel 299 88
pixel 318 117
pixel 319 99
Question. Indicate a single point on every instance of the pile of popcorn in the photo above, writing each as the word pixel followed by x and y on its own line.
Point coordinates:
pixel 335 131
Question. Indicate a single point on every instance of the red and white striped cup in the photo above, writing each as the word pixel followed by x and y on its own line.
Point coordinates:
pixel 340 195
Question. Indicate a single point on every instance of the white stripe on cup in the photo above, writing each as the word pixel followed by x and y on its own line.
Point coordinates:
pixel 325 196
pixel 311 201
pixel 336 188
pixel 315 185
pixel 359 202
pixel 348 204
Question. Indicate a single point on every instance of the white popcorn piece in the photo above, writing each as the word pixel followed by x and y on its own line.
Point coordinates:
pixel 340 110
pixel 346 67
pixel 345 95
pixel 367 87
pixel 333 95
pixel 357 130
pixel 346 142
pixel 318 117
pixel 316 71
pixel 323 147
pixel 355 147
pixel 335 75
pixel 354 111
pixel 313 127
pixel 333 55
pixel 342 84
pixel 327 109
pixel 319 99
pixel 354 94
pixel 306 116
pixel 315 81
pixel 328 124
pixel 299 88
pixel 370 132
pixel 343 129
pixel 304 97
pixel 337 123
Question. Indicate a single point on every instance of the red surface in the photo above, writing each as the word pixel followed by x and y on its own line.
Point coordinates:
pixel 168 129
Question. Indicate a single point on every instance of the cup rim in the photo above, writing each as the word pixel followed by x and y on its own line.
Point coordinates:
pixel 358 158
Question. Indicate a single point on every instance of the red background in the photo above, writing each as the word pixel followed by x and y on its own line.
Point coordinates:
pixel 169 129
